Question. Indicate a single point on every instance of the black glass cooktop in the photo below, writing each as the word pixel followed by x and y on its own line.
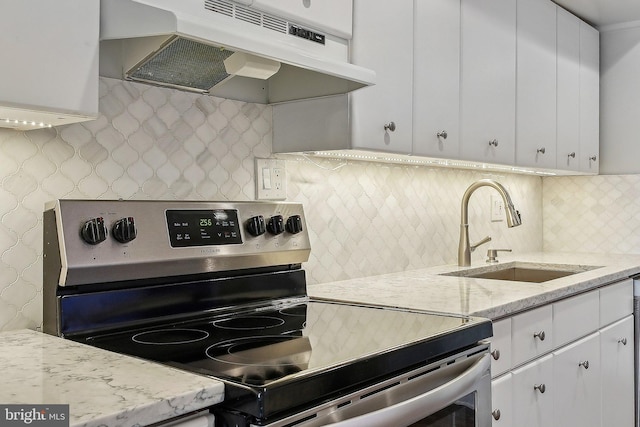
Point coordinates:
pixel 304 347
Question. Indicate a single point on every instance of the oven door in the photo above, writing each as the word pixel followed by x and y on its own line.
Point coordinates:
pixel 463 399
pixel 453 392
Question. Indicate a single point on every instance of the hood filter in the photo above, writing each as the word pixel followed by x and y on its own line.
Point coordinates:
pixel 185 64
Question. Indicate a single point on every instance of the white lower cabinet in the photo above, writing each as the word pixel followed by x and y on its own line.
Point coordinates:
pixel 576 376
pixel 586 378
pixel 502 401
pixel 533 393
pixel 616 355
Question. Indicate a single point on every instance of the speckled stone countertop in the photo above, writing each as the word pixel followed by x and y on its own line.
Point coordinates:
pixel 101 387
pixel 427 289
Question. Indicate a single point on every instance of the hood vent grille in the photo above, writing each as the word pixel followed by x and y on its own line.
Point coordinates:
pixel 184 64
pixel 246 14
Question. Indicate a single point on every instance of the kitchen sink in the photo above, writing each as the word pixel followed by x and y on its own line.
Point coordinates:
pixel 523 272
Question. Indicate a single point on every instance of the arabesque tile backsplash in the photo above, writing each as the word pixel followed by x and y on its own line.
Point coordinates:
pixel 151 143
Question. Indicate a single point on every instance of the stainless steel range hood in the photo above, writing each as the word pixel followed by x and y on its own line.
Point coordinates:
pixel 184 44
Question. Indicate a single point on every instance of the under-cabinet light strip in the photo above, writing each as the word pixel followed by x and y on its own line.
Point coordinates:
pixel 26 123
pixel 427 162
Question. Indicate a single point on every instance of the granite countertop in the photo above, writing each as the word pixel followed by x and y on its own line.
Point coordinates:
pixel 426 289
pixel 101 387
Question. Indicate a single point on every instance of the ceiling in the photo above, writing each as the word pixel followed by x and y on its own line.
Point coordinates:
pixel 601 13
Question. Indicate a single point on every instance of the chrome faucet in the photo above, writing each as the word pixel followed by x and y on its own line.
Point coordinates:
pixel 513 218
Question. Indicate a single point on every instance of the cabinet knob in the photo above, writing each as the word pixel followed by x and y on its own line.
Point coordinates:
pixel 442 134
pixel 390 126
pixel 572 155
pixel 540 387
pixel 493 142
pixel 622 341
pixel 593 158
pixel 496 414
pixel 540 335
pixel 541 150
pixel 584 364
pixel 495 354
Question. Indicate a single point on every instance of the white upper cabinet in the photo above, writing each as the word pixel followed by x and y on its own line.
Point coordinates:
pixel 381 115
pixel 436 79
pixel 568 123
pixel 488 80
pixel 49 72
pixel 334 16
pixel 589 98
pixel 507 82
pixel 536 84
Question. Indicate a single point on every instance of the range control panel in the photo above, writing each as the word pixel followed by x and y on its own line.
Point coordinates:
pixel 123 238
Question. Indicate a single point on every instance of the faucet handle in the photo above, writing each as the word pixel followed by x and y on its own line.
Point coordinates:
pixel 481 242
pixel 492 254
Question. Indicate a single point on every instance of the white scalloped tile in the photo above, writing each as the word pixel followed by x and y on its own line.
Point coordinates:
pixel 592 214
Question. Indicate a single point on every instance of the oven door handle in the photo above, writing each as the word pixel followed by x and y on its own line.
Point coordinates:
pixel 419 407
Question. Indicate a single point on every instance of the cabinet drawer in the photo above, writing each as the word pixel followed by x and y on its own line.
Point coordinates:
pixel 616 302
pixel 501 347
pixel 575 317
pixel 531 334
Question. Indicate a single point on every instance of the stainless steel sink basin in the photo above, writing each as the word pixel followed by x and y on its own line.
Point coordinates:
pixel 522 272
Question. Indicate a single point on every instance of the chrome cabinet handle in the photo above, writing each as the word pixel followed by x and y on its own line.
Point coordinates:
pixel 572 155
pixel 540 387
pixel 584 364
pixel 496 414
pixel 390 126
pixel 622 341
pixel 541 335
pixel 541 150
pixel 495 354
pixel 442 134
pixel 493 142
pixel 593 158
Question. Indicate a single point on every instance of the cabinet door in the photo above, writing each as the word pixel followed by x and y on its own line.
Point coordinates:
pixel 577 380
pixel 334 16
pixel 502 401
pixel 536 84
pixel 589 98
pixel 383 42
pixel 568 91
pixel 488 80
pixel 616 350
pixel 436 85
pixel 534 393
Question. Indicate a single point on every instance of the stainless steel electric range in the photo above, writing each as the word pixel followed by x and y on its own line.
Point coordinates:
pixel 217 288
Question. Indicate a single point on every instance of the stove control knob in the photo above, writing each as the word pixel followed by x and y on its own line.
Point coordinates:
pixel 294 224
pixel 124 230
pixel 256 225
pixel 275 225
pixel 94 231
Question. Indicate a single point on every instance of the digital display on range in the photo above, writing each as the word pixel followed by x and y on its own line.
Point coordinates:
pixel 203 227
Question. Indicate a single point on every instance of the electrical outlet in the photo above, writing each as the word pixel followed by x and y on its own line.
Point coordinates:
pixel 497 208
pixel 271 179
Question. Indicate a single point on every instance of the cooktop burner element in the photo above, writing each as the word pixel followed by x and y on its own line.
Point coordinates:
pixel 247 323
pixel 170 336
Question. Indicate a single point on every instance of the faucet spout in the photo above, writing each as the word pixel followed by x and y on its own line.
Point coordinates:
pixel 513 217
